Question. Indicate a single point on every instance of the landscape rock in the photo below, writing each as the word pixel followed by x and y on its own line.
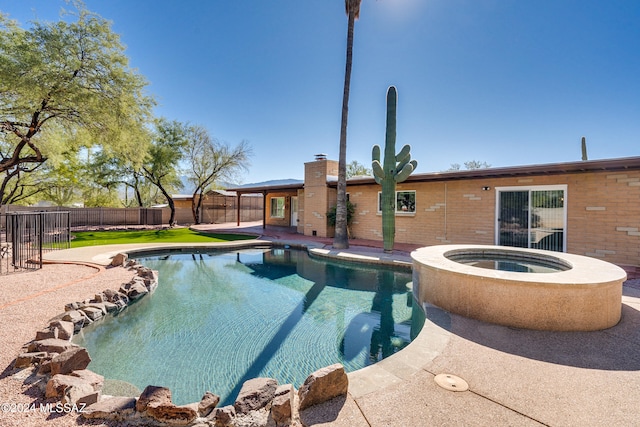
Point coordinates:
pixel 282 404
pixel 98 305
pixel 80 393
pixel 71 306
pixel 134 290
pixel 119 260
pixel 70 360
pixel 45 367
pixel 96 380
pixel 323 385
pixel 92 313
pixel 58 385
pixel 207 403
pixel 153 395
pixel 223 417
pixel 27 359
pixel 77 317
pixel 110 307
pixel 120 299
pixel 113 408
pixel 46 333
pixel 51 345
pixel 171 414
pixel 64 329
pixel 255 394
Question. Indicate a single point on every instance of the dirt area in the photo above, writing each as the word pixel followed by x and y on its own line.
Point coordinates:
pixel 27 301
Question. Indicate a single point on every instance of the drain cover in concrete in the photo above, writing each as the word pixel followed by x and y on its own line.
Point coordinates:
pixel 451 382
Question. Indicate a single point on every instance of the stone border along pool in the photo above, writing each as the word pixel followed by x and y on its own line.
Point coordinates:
pixel 59 366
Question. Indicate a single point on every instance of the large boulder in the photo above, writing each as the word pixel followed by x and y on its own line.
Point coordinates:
pixel 59 384
pixel 63 328
pixel 119 299
pixel 282 404
pixel 255 394
pixel 323 385
pixel 223 417
pixel 153 395
pixel 70 360
pixel 93 313
pixel 51 345
pixel 119 260
pixel 78 318
pixel 168 413
pixel 134 289
pixel 208 402
pixel 113 408
pixel 43 334
pixel 96 380
pixel 27 359
pixel 156 403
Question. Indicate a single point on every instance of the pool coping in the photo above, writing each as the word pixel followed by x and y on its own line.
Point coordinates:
pixel 428 344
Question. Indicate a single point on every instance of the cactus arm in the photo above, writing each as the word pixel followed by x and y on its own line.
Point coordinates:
pixel 375 153
pixel 403 163
pixel 404 153
pixel 378 171
pixel 404 172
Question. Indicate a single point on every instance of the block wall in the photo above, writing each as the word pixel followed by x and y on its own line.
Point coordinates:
pixel 603 212
pixel 318 197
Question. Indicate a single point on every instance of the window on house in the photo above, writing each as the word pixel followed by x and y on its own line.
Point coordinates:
pixel 405 202
pixel 277 207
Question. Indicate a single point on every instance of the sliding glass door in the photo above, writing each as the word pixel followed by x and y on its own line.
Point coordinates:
pixel 532 217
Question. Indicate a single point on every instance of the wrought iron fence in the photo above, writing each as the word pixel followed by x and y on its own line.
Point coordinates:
pixel 25 236
pixel 102 217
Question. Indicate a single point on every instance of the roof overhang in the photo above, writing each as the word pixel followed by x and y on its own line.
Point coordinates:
pixel 608 165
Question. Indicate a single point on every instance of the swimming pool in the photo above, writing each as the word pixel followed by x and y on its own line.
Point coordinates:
pixel 218 319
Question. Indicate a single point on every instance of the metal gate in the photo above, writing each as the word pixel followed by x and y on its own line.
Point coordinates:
pixel 25 236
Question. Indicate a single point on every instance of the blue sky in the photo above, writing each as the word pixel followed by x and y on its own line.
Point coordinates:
pixel 507 82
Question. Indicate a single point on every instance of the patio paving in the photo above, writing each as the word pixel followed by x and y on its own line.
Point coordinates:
pixel 515 377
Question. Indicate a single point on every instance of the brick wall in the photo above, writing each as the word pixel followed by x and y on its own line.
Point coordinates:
pixel 318 197
pixel 603 212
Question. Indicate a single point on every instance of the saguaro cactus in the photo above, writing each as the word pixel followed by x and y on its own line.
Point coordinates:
pixel 394 169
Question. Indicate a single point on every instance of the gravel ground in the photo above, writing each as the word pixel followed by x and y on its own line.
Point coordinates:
pixel 27 302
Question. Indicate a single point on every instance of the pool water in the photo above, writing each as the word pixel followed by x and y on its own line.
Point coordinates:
pixel 218 319
pixel 517 266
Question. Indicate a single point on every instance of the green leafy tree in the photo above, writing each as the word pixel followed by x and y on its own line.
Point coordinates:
pixel 470 165
pixel 210 161
pixel 162 162
pixel 341 238
pixel 357 169
pixel 70 79
pixel 18 187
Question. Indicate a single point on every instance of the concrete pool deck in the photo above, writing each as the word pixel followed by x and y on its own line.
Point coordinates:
pixel 515 376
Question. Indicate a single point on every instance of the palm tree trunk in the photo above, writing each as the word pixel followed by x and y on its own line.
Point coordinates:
pixel 341 238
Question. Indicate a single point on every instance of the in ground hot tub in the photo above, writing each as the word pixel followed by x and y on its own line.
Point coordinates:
pixel 524 288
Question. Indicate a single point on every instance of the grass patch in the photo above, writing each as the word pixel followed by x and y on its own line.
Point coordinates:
pixel 173 235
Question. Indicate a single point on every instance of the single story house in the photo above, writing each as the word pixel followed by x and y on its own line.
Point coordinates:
pixel 586 207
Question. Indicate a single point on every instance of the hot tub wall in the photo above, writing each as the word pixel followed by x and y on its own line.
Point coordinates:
pixel 496 297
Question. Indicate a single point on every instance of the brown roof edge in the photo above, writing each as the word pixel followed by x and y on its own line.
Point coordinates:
pixel 612 165
pixel 268 188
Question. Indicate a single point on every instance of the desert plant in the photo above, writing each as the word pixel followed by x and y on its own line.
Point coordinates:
pixel 395 168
